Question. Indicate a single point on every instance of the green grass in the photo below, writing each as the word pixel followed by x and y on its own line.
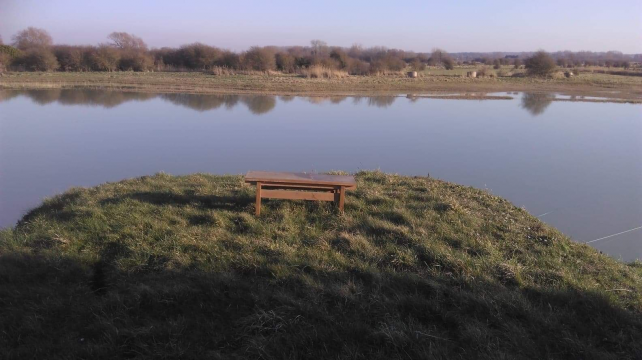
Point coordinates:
pixel 416 268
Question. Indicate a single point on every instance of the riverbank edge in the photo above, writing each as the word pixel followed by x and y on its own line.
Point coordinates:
pixel 441 88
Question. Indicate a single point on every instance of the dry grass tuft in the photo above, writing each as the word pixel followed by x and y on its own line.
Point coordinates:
pixel 322 72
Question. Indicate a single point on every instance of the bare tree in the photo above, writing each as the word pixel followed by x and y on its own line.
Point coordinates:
pixel 32 37
pixel 1 43
pixel 438 55
pixel 319 47
pixel 125 41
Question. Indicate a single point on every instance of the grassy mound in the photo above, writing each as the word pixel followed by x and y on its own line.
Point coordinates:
pixel 167 266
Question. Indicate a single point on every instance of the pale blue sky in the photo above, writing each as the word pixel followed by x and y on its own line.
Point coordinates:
pixel 456 26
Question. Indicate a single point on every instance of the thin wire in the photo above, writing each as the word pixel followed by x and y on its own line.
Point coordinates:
pixel 620 233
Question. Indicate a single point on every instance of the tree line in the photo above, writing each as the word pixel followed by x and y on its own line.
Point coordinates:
pixel 33 49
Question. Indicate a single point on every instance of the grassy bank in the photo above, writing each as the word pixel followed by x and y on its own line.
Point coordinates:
pixel 587 84
pixel 166 266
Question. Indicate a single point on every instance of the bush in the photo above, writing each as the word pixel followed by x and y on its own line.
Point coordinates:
pixel 449 64
pixel 11 51
pixel 135 61
pixel 230 60
pixel 285 62
pixel 417 65
pixel 5 62
pixel 540 64
pixel 198 56
pixel 104 58
pixel 342 59
pixel 358 67
pixel 38 59
pixel 261 59
pixel 71 58
pixel 484 71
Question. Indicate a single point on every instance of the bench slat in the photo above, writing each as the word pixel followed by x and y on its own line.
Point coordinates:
pixel 299 178
pixel 297 195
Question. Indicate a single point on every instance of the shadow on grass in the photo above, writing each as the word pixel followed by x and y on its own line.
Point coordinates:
pixel 52 305
pixel 235 203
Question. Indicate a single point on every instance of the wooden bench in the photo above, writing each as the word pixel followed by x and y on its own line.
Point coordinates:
pixel 300 186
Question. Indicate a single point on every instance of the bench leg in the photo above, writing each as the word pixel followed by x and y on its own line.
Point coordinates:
pixel 258 198
pixel 339 197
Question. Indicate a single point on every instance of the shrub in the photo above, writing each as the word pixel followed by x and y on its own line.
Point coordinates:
pixel 540 64
pixel 485 71
pixel 517 63
pixel 38 59
pixel 417 65
pixel 358 67
pixel 71 58
pixel 198 56
pixel 342 59
pixel 104 58
pixel 31 38
pixel 261 59
pixel 230 60
pixel 394 63
pixel 449 64
pixel 285 62
pixel 135 61
pixel 5 62
pixel 11 51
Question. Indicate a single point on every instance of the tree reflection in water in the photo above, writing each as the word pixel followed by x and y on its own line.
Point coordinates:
pixel 536 103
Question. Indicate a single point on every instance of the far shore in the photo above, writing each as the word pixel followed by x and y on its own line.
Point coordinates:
pixel 604 87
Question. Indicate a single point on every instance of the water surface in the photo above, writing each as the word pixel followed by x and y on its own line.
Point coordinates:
pixel 577 165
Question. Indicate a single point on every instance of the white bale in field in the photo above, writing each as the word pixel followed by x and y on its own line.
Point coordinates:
pixel 412 74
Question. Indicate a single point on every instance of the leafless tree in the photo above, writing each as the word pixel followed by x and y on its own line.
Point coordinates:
pixel 32 37
pixel 125 41
pixel 319 47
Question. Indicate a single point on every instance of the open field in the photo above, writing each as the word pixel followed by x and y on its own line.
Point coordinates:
pixel 178 267
pixel 432 81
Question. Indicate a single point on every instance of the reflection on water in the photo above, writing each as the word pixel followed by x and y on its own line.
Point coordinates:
pixel 585 178
pixel 257 104
pixel 536 103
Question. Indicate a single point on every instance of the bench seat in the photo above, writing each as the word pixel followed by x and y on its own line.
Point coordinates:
pixel 300 186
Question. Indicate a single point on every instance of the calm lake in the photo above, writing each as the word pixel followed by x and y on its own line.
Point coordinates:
pixel 576 165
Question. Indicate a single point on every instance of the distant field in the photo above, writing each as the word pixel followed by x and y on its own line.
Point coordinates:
pixel 431 80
